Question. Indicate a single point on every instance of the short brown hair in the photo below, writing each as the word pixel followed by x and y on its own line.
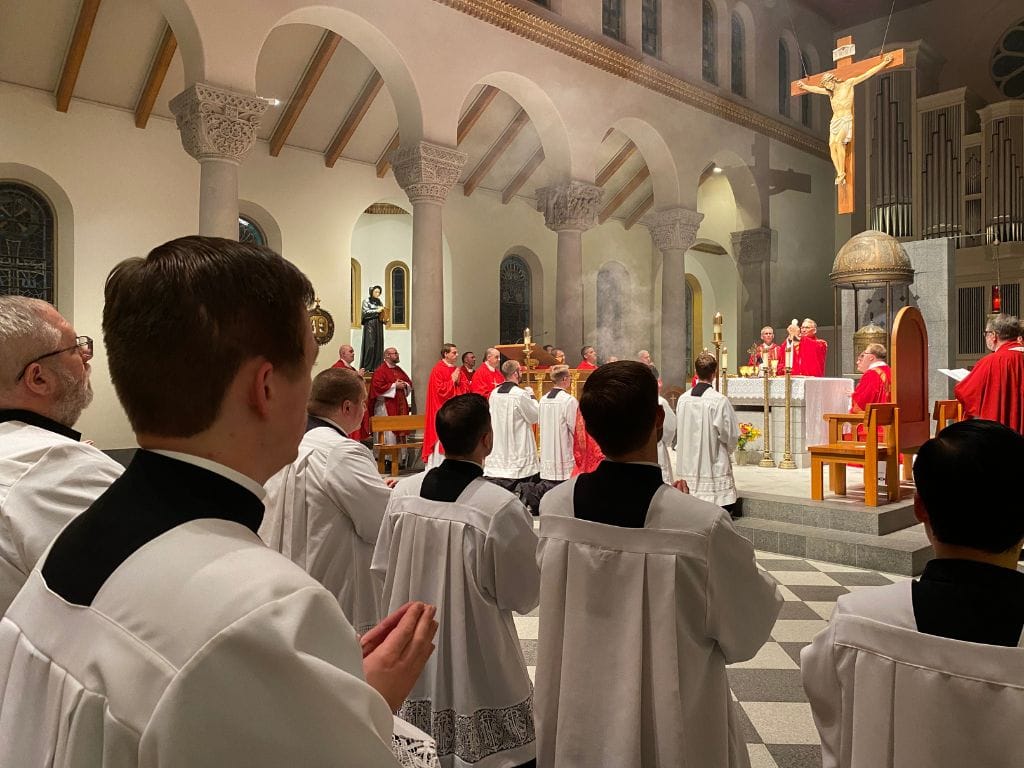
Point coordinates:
pixel 333 387
pixel 178 325
pixel 446 348
pixel 462 423
pixel 619 405
pixel 705 366
pixel 559 372
pixel 510 367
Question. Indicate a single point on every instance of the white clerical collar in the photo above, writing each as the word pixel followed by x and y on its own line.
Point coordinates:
pixel 877 364
pixel 492 370
pixel 450 365
pixel 334 424
pixel 218 469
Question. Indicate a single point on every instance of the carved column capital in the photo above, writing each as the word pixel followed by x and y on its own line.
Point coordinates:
pixel 427 172
pixel 673 228
pixel 752 246
pixel 569 206
pixel 217 124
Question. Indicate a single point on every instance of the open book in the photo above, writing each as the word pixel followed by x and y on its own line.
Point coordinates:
pixel 956 374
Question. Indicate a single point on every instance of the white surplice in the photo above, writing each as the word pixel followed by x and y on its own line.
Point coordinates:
pixel 204 649
pixel 885 695
pixel 707 432
pixel 513 414
pixel 46 479
pixel 557 426
pixel 668 436
pixel 636 627
pixel 324 513
pixel 475 559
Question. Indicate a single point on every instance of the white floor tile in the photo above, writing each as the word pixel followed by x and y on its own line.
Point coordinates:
pixel 771 656
pixel 787 594
pixel 805 578
pixel 527 626
pixel 778 723
pixel 760 757
pixel 823 609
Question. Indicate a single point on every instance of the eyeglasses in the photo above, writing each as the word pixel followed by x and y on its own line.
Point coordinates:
pixel 82 343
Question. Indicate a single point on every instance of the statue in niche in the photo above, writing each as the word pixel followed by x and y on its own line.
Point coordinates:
pixel 374 316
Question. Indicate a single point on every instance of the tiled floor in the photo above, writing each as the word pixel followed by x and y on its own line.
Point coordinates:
pixel 774 714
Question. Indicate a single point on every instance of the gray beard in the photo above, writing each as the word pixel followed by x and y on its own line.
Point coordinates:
pixel 74 398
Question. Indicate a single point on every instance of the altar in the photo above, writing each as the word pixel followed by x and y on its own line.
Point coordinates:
pixel 810 399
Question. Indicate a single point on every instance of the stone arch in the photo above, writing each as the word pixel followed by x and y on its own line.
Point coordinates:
pixel 541 334
pixel 744 188
pixel 746 17
pixel 64 230
pixel 812 61
pixel 657 155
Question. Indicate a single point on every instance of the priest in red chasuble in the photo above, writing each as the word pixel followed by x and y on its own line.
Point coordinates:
pixel 767 350
pixel 346 356
pixel 389 389
pixel 468 365
pixel 446 381
pixel 808 351
pixel 487 376
pixel 875 386
pixel 589 361
pixel 994 389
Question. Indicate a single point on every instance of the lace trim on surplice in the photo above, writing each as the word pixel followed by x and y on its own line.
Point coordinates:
pixel 473 737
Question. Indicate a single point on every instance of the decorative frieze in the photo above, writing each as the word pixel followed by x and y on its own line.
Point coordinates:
pixel 673 228
pixel 569 206
pixel 217 124
pixel 427 172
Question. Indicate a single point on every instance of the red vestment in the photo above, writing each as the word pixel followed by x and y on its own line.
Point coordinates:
pixel 767 352
pixel 994 389
pixel 875 386
pixel 440 389
pixel 468 374
pixel 809 357
pixel 383 379
pixel 486 380
pixel 586 366
pixel 585 450
pixel 363 430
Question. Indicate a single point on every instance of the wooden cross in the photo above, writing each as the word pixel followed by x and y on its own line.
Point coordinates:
pixel 838 86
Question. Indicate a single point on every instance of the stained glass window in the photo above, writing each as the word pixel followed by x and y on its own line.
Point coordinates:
pixel 26 242
pixel 1008 62
pixel 783 78
pixel 739 57
pixel 709 44
pixel 249 232
pixel 514 286
pixel 398 294
pixel 611 18
pixel 651 26
pixel 806 104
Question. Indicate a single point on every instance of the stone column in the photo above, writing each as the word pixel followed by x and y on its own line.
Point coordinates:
pixel 218 128
pixel 569 209
pixel 752 249
pixel 673 230
pixel 426 172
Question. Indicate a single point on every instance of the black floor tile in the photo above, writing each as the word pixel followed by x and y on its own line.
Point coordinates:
pixel 796 755
pixel 817 593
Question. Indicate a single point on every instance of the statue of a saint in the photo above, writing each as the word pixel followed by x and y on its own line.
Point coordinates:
pixel 372 353
pixel 840 94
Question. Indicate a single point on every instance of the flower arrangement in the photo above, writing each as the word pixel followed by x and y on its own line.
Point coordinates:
pixel 748 432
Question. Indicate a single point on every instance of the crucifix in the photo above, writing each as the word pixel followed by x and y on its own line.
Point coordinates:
pixel 838 85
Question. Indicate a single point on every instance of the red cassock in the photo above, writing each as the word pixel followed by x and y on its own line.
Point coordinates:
pixel 485 380
pixel 765 352
pixel 381 382
pixel 585 450
pixel 586 366
pixel 809 357
pixel 994 389
pixel 440 389
pixel 363 431
pixel 468 373
pixel 875 386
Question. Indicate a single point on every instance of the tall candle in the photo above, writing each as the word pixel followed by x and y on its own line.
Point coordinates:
pixel 725 358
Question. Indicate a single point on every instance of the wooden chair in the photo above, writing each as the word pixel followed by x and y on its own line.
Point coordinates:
pixel 838 453
pixel 381 424
pixel 672 394
pixel 908 359
pixel 947 412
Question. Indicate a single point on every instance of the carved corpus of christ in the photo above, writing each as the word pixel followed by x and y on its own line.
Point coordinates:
pixel 838 85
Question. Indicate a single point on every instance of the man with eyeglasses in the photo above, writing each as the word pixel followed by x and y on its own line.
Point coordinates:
pixel 47 475
pixel 994 389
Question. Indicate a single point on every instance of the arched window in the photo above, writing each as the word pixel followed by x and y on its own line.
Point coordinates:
pixel 250 232
pixel 694 324
pixel 783 78
pixel 356 285
pixel 806 104
pixel 651 24
pixel 397 276
pixel 611 18
pixel 612 304
pixel 739 54
pixel 27 256
pixel 515 291
pixel 709 44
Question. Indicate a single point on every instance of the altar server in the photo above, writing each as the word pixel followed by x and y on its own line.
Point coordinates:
pixel 994 389
pixel 47 475
pixel 446 381
pixel 513 457
pixel 931 672
pixel 668 436
pixel 646 594
pixel 159 630
pixel 706 435
pixel 488 376
pixel 557 416
pixel 325 508
pixel 467 546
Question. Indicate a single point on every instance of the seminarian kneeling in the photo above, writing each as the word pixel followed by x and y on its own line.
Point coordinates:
pixel 159 630
pixel 646 594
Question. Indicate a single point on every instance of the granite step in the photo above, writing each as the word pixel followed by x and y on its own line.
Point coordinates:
pixel 836 513
pixel 903 552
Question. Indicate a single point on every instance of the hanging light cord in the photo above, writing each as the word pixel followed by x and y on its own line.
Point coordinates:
pixel 887 23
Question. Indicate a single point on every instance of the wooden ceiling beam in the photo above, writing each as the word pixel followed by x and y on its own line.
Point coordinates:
pixel 354 118
pixel 76 53
pixel 155 78
pixel 639 211
pixel 615 163
pixel 496 151
pixel 383 164
pixel 620 197
pixel 317 64
pixel 475 111
pixel 524 174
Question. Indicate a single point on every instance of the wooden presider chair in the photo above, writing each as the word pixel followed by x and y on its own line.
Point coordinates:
pixel 947 412
pixel 838 453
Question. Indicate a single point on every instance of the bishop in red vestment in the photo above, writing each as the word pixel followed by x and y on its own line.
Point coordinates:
pixel 809 352
pixel 767 350
pixel 875 386
pixel 390 387
pixel 589 362
pixel 346 355
pixel 446 381
pixel 994 389
pixel 488 376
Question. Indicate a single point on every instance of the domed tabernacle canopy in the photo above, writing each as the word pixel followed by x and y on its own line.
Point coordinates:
pixel 871 258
